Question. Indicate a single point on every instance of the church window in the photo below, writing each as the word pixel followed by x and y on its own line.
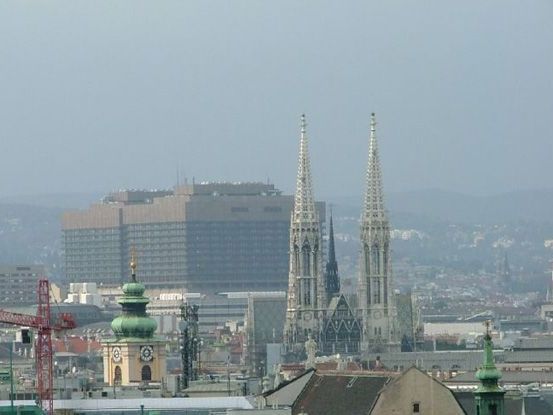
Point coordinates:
pixel 307 292
pixel 377 288
pixel 146 373
pixel 367 260
pixel 117 376
pixel 493 408
pixel 385 286
pixel 375 253
pixel 416 407
pixel 306 265
pixel 296 259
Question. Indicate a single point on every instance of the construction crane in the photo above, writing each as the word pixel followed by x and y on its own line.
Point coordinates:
pixel 43 347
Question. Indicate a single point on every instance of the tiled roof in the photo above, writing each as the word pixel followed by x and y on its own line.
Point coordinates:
pixel 339 394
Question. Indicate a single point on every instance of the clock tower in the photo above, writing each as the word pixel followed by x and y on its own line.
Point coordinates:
pixel 133 355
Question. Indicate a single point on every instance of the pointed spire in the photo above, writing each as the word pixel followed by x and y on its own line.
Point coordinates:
pixel 374 198
pixel 304 203
pixel 549 295
pixel 331 276
pixel 331 249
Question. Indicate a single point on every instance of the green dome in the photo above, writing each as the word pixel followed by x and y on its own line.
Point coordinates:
pixel 133 289
pixel 134 322
pixel 133 326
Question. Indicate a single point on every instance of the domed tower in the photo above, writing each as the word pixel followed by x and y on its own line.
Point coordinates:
pixel 489 396
pixel 133 355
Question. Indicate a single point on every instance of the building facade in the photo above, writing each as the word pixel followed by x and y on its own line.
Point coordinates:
pixel 207 237
pixel 375 293
pixel 18 284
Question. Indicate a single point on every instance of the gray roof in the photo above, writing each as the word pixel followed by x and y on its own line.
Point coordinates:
pixel 120 405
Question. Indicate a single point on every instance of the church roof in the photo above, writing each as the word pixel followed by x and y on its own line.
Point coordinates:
pixel 352 394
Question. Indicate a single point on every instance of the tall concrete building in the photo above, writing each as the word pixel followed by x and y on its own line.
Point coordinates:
pixel 206 237
pixel 375 298
pixel 307 299
pixel 18 284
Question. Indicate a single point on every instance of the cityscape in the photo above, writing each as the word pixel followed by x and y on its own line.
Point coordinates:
pixel 398 261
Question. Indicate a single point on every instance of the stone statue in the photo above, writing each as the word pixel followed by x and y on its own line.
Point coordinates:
pixel 310 350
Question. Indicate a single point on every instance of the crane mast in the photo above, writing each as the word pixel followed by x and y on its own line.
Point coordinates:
pixel 44 351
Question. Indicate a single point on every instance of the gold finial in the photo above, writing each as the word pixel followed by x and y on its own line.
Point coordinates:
pixel 133 264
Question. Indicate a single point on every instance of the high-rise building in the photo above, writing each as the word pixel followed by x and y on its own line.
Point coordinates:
pixel 18 284
pixel 307 299
pixel 376 301
pixel 206 237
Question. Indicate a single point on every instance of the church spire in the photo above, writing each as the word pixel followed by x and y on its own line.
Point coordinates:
pixel 306 286
pixel 332 279
pixel 488 397
pixel 375 287
pixel 374 199
pixel 549 295
pixel 304 203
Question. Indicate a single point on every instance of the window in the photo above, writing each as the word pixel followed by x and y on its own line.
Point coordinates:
pixel 416 407
pixel 117 375
pixel 146 373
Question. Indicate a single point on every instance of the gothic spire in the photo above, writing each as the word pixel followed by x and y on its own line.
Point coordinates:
pixel 374 199
pixel 549 295
pixel 304 203
pixel 331 249
pixel 332 279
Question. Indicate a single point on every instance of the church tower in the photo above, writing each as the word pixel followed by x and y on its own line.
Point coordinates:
pixel 375 301
pixel 306 290
pixel 134 355
pixel 489 397
pixel 332 279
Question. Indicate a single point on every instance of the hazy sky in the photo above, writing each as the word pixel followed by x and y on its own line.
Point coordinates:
pixel 98 95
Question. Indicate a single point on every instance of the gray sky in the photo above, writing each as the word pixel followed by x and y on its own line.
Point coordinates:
pixel 97 95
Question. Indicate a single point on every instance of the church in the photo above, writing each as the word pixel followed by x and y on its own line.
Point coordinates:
pixel 315 307
pixel 133 356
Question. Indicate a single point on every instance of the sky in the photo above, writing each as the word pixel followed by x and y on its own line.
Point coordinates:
pixel 101 95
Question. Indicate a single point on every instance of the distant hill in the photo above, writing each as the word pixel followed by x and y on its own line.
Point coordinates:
pixel 60 200
pixel 440 205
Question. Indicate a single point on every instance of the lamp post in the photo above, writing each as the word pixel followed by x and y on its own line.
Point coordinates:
pixel 11 380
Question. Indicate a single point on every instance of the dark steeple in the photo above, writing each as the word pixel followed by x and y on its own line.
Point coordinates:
pixel 331 275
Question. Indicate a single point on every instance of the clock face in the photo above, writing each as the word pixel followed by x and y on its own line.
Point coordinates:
pixel 146 353
pixel 307 316
pixel 116 354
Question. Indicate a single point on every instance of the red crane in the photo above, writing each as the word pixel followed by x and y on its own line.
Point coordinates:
pixel 43 346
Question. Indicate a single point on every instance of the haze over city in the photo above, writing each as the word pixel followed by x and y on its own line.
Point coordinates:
pixel 276 207
pixel 102 95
